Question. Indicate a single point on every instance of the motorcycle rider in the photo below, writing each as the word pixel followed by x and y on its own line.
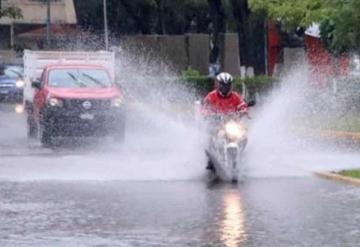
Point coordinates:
pixel 223 99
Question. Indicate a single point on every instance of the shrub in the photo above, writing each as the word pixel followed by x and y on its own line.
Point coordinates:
pixel 204 84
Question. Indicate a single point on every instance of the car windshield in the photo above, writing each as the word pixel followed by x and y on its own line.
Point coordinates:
pixel 12 71
pixel 79 78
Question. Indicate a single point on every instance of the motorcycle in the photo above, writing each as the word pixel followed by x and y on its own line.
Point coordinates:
pixel 227 142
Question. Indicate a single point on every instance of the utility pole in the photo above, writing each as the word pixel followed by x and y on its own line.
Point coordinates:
pixel 106 27
pixel 48 26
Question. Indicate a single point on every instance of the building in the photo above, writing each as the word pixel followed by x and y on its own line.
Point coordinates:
pixel 322 63
pixel 30 31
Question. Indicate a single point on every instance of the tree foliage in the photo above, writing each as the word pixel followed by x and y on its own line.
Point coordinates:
pixel 11 12
pixel 178 17
pixel 338 19
pixel 291 13
pixel 340 31
pixel 144 16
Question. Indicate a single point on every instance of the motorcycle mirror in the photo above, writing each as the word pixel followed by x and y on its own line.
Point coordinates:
pixel 251 103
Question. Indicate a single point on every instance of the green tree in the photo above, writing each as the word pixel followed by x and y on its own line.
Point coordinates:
pixel 338 19
pixel 10 11
pixel 143 16
pixel 340 30
pixel 179 17
pixel 292 13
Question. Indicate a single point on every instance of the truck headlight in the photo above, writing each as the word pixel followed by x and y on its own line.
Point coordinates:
pixel 20 84
pixel 19 108
pixel 54 102
pixel 117 102
pixel 235 130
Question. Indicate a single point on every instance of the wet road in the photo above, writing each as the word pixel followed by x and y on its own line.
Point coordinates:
pixel 260 212
pixel 79 197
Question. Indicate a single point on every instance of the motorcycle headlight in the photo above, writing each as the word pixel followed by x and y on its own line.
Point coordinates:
pixel 20 84
pixel 235 130
pixel 117 102
pixel 55 102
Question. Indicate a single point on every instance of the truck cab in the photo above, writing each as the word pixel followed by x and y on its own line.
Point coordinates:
pixel 75 100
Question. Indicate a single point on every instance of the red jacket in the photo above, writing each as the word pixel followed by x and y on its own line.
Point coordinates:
pixel 215 103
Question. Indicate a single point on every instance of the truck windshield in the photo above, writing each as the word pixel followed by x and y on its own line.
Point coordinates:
pixel 79 78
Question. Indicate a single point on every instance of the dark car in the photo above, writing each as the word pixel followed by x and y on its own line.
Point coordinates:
pixel 11 83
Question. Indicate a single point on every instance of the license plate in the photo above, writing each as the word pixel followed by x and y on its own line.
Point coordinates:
pixel 4 91
pixel 87 116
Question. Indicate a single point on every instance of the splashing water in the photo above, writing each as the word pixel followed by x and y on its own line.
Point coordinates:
pixel 275 146
pixel 161 140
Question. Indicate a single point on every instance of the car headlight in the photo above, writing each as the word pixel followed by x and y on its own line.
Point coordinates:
pixel 54 102
pixel 20 83
pixel 235 130
pixel 117 102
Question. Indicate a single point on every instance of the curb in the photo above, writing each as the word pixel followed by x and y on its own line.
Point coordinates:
pixel 334 176
pixel 330 135
pixel 340 135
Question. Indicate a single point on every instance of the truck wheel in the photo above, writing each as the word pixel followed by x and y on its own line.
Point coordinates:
pixel 31 128
pixel 46 136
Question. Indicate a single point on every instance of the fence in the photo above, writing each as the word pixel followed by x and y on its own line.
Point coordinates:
pixel 182 51
pixel 176 51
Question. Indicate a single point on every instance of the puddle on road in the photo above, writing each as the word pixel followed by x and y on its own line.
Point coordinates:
pixel 157 147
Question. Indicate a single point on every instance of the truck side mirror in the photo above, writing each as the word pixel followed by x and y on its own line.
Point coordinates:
pixel 251 103
pixel 36 84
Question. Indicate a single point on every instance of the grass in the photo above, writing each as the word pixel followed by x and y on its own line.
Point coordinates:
pixel 349 123
pixel 351 173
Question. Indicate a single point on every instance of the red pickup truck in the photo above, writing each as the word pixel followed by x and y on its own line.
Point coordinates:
pixel 72 100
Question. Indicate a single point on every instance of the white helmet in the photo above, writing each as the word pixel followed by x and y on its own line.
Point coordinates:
pixel 225 81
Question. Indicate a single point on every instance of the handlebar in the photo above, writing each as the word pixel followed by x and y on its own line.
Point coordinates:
pixel 228 116
pixel 238 114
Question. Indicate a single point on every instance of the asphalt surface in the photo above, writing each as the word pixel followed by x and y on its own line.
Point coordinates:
pixel 150 192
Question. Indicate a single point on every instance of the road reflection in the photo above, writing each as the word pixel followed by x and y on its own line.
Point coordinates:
pixel 233 231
